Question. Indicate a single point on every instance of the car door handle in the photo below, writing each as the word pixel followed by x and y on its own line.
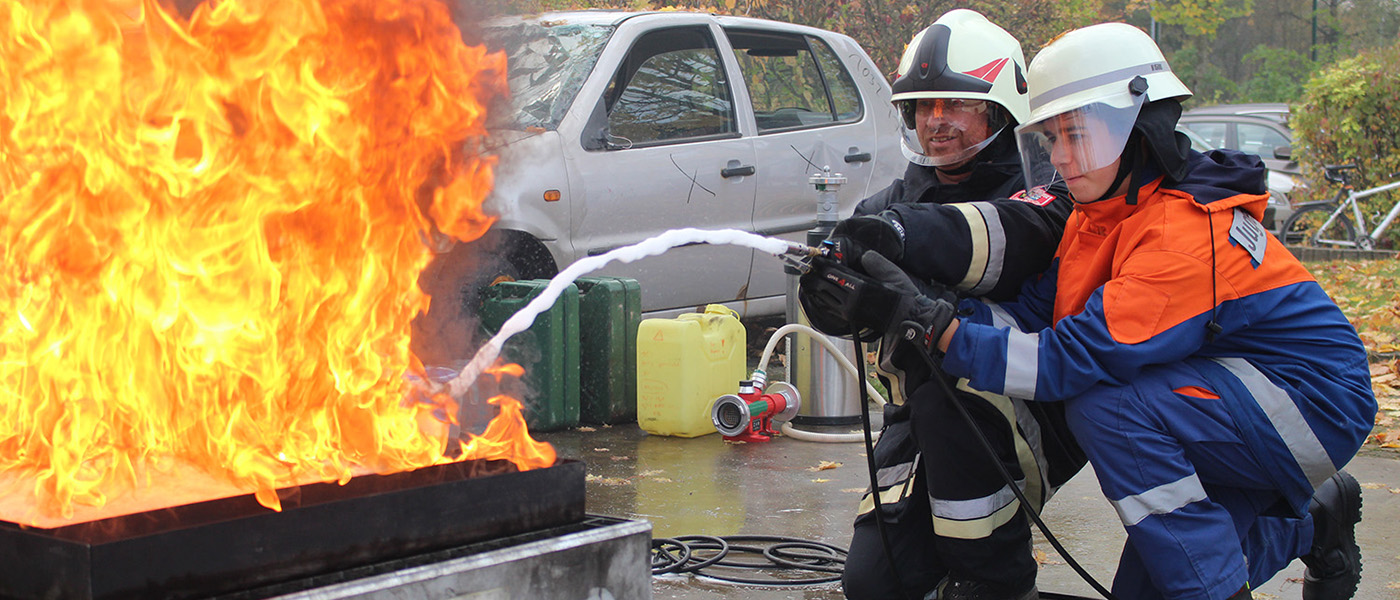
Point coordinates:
pixel 856 157
pixel 739 171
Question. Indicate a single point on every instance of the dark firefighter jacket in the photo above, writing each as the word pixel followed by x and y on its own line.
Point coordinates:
pixel 983 236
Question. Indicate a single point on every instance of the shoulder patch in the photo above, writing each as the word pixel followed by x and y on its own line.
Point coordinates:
pixel 1036 195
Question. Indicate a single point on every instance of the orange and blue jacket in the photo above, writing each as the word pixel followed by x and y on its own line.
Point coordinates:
pixel 1186 272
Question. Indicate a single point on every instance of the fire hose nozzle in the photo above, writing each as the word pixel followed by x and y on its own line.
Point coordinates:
pixel 799 256
pixel 802 250
pixel 749 416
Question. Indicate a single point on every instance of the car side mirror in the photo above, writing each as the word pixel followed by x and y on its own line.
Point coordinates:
pixel 1283 152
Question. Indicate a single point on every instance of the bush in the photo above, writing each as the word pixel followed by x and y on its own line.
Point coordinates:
pixel 1348 114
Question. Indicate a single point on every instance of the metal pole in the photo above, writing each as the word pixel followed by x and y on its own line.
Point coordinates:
pixel 1312 50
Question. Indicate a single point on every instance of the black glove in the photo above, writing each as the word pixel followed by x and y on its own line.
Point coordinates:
pixel 916 318
pixel 838 301
pixel 908 352
pixel 853 237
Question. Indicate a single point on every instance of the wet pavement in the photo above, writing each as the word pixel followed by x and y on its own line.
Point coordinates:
pixel 706 486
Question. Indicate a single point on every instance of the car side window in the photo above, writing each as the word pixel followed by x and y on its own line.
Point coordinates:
pixel 794 81
pixel 671 88
pixel 845 97
pixel 1212 133
pixel 1259 139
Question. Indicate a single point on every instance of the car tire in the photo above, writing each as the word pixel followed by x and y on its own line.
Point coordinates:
pixel 447 332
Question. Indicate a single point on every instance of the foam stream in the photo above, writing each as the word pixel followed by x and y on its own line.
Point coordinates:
pixel 521 320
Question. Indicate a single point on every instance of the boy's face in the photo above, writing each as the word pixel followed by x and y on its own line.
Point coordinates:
pixel 1072 138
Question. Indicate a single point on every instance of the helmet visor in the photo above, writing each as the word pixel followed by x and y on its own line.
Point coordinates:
pixel 1069 144
pixel 940 132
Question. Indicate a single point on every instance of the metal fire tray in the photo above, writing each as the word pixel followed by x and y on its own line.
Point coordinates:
pixel 232 544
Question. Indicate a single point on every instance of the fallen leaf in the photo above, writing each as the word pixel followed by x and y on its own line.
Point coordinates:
pixel 821 481
pixel 587 429
pixel 824 465
pixel 601 450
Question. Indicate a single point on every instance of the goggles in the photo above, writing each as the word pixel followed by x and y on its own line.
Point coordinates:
pixel 914 111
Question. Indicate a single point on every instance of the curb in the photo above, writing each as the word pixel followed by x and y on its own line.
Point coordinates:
pixel 1308 254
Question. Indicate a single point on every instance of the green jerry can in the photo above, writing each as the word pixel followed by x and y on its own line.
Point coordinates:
pixel 610 309
pixel 683 365
pixel 548 350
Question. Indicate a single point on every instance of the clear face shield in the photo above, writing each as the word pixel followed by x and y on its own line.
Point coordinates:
pixel 939 132
pixel 1069 144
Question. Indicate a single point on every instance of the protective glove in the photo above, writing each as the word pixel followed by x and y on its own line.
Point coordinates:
pixel 838 301
pixel 921 316
pixel 908 354
pixel 853 237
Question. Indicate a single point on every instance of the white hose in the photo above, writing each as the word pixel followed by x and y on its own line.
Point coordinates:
pixel 808 436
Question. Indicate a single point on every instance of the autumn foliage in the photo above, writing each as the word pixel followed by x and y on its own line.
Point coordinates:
pixel 1349 114
pixel 882 28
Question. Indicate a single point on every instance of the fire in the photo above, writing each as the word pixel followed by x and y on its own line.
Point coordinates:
pixel 212 229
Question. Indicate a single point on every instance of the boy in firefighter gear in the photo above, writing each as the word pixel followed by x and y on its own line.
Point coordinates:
pixel 1215 387
pixel 959 220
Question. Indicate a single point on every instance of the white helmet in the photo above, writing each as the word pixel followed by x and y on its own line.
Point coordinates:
pixel 1087 88
pixel 963 56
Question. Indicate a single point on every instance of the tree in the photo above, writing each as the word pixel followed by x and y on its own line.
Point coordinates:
pixel 1348 114
pixel 881 27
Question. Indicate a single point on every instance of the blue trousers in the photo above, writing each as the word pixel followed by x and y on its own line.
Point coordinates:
pixel 1202 515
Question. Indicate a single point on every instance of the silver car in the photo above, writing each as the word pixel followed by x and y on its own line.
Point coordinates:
pixel 625 125
pixel 1280 185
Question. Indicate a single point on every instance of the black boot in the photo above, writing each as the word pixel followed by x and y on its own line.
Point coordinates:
pixel 954 588
pixel 1334 564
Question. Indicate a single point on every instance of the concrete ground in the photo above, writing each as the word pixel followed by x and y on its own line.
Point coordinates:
pixel 809 490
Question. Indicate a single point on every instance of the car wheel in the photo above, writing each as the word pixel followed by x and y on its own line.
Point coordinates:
pixel 505 256
pixel 447 332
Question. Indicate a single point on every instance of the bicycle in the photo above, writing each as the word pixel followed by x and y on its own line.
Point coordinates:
pixel 1326 223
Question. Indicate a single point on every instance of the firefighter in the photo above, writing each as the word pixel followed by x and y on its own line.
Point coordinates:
pixel 1215 387
pixel 958 219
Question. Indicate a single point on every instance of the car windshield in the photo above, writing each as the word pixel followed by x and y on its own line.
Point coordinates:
pixel 546 64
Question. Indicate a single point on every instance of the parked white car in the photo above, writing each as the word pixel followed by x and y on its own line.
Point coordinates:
pixel 625 125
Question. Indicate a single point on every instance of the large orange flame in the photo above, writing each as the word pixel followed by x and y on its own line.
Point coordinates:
pixel 212 229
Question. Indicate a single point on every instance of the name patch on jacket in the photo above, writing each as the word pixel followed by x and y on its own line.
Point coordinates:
pixel 1036 195
pixel 1248 233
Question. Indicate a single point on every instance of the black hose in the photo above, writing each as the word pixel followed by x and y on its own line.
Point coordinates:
pixel 879 512
pixel 682 555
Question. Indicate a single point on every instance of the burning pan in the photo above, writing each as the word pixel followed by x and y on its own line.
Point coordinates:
pixel 227 545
